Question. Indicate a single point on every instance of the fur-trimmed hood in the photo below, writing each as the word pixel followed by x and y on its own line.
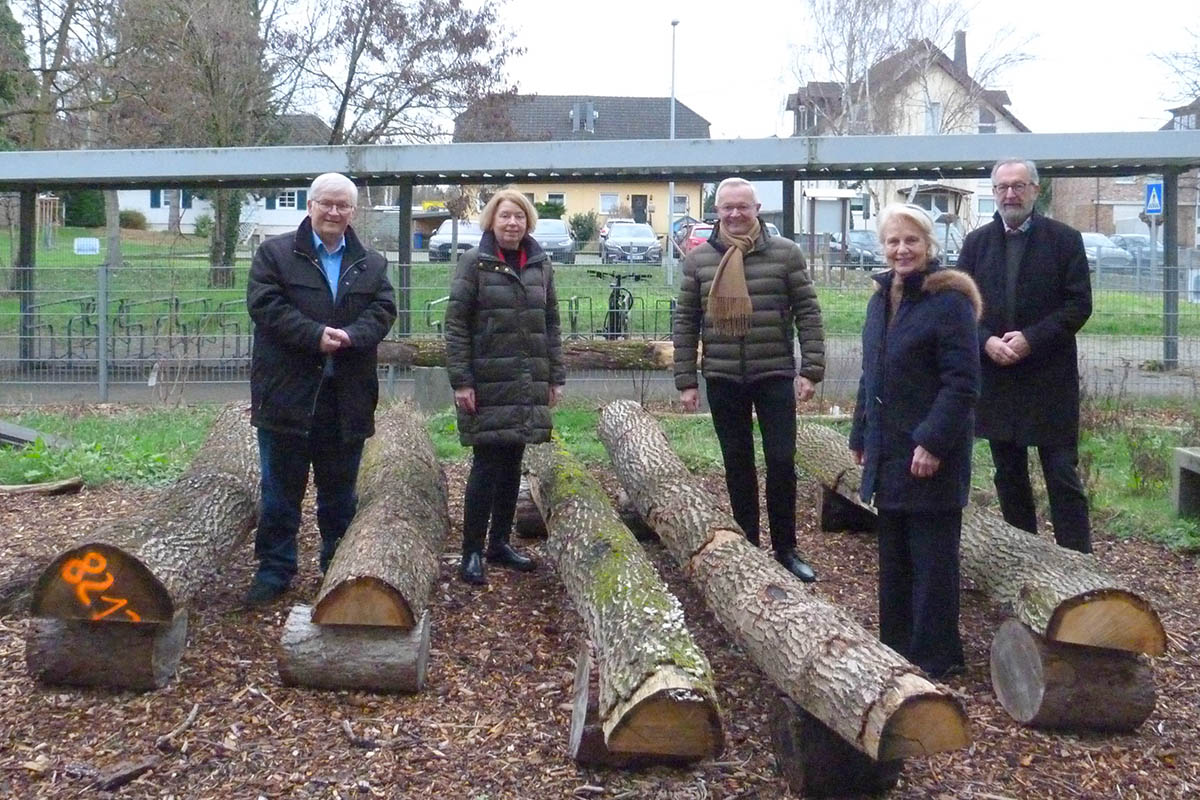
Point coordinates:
pixel 936 279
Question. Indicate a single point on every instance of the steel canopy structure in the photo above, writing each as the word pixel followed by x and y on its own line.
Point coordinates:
pixel 793 158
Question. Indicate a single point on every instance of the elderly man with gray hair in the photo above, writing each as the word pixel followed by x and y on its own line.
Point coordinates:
pixel 1033 274
pixel 744 295
pixel 320 302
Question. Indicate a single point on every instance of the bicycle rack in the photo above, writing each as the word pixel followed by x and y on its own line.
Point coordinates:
pixel 669 305
pixel 430 322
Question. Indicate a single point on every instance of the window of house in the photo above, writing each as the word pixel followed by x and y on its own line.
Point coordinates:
pixel 556 197
pixel 529 196
pixel 801 120
pixel 987 121
pixel 681 204
pixel 286 199
pixel 987 205
pixel 608 202
pixel 933 118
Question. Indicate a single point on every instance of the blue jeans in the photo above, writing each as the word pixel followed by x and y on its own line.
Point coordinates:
pixel 285 460
pixel 773 400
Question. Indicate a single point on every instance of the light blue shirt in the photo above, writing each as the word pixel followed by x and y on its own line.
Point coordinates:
pixel 331 263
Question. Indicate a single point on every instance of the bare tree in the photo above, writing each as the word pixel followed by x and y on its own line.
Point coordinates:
pixel 395 70
pixel 1185 65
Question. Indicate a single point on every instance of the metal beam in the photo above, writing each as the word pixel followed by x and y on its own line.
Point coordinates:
pixel 1170 228
pixel 834 157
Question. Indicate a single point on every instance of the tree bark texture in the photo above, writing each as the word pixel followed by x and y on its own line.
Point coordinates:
pixel 528 522
pixel 139 656
pixel 147 566
pixel 1046 684
pixel 656 694
pixel 810 649
pixel 579 354
pixel 816 762
pixel 1060 593
pixel 367 658
pixel 387 563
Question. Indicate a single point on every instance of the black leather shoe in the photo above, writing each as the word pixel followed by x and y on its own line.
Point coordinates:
pixel 504 555
pixel 471 570
pixel 796 565
pixel 262 594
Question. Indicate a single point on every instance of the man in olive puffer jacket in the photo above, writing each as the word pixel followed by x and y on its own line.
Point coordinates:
pixel 743 294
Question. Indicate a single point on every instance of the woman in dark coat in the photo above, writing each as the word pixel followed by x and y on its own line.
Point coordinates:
pixel 504 356
pixel 912 433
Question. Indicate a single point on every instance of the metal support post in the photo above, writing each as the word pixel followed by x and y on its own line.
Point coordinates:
pixel 1170 229
pixel 404 193
pixel 788 229
pixel 23 271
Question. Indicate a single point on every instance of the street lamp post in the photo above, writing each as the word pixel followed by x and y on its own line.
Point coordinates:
pixel 670 248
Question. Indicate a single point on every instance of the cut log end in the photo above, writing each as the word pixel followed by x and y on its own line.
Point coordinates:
pixel 1111 618
pixel 924 725
pixel 1047 684
pixel 98 581
pixel 139 656
pixel 677 723
pixel 363 601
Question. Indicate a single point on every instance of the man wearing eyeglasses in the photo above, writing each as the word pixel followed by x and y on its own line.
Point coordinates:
pixel 320 302
pixel 745 294
pixel 1033 274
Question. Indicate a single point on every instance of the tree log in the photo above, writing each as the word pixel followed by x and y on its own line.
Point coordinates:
pixel 810 649
pixel 527 521
pixel 139 655
pixel 620 354
pixel 368 658
pixel 1059 593
pixel 146 566
pixel 1046 684
pixel 387 563
pixel 656 693
pixel 65 486
pixel 816 762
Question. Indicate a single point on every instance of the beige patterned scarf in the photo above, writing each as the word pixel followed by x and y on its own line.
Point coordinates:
pixel 729 304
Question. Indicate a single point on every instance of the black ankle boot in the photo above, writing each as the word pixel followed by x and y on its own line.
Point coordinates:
pixel 796 565
pixel 503 555
pixel 471 570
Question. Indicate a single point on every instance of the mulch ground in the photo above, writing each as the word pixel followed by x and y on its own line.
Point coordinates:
pixel 493 720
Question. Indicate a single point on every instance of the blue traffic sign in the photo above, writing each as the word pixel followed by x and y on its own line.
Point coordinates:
pixel 1154 198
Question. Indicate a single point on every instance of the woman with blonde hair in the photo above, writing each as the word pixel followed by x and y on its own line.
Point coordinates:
pixel 504 356
pixel 912 433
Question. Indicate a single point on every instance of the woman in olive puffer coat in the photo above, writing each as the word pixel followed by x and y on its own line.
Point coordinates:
pixel 504 357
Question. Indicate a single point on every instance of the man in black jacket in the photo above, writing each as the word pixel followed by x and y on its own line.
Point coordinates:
pixel 320 302
pixel 1033 274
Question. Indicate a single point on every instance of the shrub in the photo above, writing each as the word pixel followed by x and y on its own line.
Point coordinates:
pixel 584 226
pixel 550 210
pixel 204 225
pixel 134 220
pixel 83 208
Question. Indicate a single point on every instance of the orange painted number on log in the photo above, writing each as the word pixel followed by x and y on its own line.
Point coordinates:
pixel 76 570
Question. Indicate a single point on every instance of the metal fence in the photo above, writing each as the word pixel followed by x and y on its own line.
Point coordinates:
pixel 85 332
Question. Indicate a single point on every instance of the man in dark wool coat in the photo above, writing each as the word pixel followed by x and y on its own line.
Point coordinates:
pixel 1033 274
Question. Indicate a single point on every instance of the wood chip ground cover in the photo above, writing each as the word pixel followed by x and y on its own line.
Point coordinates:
pixel 493 720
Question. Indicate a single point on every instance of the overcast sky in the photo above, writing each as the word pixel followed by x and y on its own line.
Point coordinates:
pixel 1093 67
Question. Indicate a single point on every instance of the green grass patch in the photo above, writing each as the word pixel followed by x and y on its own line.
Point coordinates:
pixel 132 446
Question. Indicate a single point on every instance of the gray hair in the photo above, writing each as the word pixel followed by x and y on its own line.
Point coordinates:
pixel 1029 166
pixel 736 182
pixel 332 182
pixel 917 216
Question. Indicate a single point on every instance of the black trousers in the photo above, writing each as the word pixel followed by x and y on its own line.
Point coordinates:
pixel 1068 501
pixel 919 587
pixel 773 400
pixel 491 493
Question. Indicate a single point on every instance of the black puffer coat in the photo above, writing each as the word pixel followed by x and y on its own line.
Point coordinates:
pixel 919 384
pixel 291 305
pixel 503 339
pixel 782 296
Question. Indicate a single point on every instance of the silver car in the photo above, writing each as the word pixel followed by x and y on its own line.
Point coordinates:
pixel 1103 252
pixel 632 242
pixel 469 235
pixel 556 240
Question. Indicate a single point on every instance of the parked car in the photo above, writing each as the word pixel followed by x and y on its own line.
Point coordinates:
pixel 949 241
pixel 555 238
pixel 469 235
pixel 608 223
pixel 771 229
pixel 1103 252
pixel 634 242
pixel 696 234
pixel 1138 246
pixel 864 250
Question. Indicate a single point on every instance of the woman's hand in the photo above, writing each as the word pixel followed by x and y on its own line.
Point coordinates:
pixel 464 399
pixel 857 455
pixel 924 463
pixel 556 393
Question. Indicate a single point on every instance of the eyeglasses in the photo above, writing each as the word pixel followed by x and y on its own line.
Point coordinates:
pixel 745 209
pixel 326 206
pixel 1019 187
